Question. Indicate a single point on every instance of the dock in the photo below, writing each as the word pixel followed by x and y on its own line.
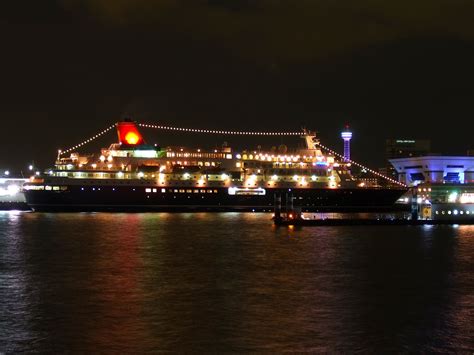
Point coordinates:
pixel 291 215
pixel 367 222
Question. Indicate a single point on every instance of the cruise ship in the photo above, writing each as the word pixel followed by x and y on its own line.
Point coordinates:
pixel 131 175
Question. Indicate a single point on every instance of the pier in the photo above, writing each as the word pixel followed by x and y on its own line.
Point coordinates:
pixel 291 215
pixel 366 222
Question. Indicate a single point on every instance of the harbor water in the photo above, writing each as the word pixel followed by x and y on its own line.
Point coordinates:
pixel 231 282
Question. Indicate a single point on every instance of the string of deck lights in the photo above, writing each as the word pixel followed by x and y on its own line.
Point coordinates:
pixel 211 131
pixel 196 130
pixel 101 133
pixel 208 131
pixel 362 166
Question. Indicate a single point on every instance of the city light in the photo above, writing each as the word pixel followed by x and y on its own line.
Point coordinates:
pixel 452 197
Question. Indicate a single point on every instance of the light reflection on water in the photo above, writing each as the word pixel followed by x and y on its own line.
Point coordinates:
pixel 94 282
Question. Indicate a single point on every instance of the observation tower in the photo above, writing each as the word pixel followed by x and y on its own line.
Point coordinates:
pixel 346 135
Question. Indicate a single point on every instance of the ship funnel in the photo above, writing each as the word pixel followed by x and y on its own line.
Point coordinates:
pixel 128 133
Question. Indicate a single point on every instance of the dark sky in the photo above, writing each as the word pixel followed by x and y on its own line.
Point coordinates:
pixel 391 69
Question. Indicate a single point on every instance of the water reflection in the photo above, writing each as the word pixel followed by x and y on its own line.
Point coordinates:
pixel 230 282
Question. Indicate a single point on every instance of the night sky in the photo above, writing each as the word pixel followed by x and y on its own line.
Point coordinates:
pixel 391 69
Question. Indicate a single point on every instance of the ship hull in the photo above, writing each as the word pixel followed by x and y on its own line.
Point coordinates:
pixel 139 198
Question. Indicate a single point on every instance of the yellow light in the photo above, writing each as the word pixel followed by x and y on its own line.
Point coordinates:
pixel 131 138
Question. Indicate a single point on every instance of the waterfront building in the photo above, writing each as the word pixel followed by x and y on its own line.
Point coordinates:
pixel 404 148
pixel 443 186
pixel 346 136
pixel 435 169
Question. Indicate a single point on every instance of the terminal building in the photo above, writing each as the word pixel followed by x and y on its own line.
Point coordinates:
pixel 404 148
pixel 443 185
pixel 435 170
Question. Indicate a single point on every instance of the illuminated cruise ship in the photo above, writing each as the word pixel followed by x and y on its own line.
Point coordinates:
pixel 132 175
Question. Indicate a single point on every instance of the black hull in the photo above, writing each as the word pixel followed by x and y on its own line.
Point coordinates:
pixel 135 199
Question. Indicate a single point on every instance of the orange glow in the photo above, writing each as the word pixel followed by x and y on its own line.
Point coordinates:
pixel 128 133
pixel 131 138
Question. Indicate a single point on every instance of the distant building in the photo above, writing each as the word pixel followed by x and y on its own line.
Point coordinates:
pixel 346 136
pixel 435 170
pixel 444 185
pixel 404 148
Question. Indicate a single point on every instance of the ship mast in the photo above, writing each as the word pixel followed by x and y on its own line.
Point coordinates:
pixel 312 143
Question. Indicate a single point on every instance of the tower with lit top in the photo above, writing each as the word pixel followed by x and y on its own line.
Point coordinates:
pixel 346 135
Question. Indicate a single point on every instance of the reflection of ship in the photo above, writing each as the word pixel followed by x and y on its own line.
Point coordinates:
pixel 132 175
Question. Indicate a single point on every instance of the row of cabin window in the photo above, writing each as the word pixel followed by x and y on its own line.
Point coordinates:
pixel 189 191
